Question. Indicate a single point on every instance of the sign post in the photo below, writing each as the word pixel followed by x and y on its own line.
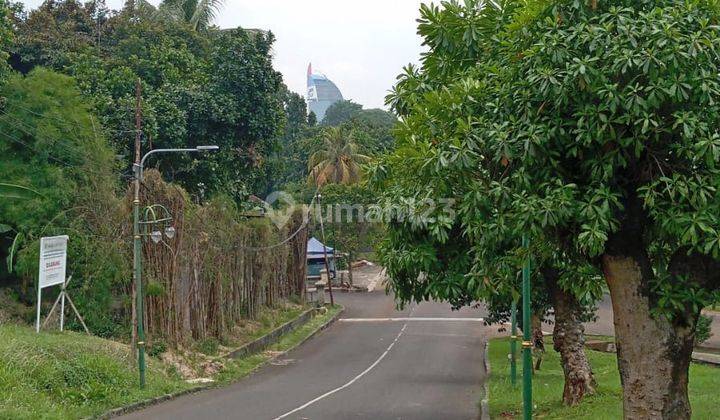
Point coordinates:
pixel 53 260
pixel 53 263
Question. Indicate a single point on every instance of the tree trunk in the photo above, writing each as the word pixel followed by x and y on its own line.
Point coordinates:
pixel 569 341
pixel 653 353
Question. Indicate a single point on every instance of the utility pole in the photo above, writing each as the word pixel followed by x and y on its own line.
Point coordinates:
pixel 527 328
pixel 327 266
pixel 137 244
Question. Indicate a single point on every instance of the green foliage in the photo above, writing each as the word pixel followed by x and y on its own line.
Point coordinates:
pixel 605 403
pixel 582 126
pixel 350 231
pixel 5 39
pixel 450 240
pixel 337 161
pixel 198 14
pixel 208 346
pixel 703 331
pixel 340 112
pixel 196 88
pixel 53 147
pixel 157 348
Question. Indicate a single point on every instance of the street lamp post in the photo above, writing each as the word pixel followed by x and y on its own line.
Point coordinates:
pixel 526 343
pixel 137 251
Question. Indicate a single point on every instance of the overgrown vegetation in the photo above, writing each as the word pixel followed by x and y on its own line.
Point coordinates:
pixel 213 86
pixel 67 127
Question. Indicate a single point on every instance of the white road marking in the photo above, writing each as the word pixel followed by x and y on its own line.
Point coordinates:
pixel 419 319
pixel 353 380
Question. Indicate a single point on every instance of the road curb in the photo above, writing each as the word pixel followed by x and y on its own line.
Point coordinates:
pixel 116 412
pixel 260 344
pixel 485 403
pixel 318 329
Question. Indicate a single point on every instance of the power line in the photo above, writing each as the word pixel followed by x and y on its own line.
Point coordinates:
pixel 15 104
pixel 56 141
pixel 284 241
pixel 16 140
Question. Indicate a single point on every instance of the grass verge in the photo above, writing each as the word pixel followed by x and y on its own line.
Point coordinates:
pixel 70 375
pixel 237 368
pixel 606 403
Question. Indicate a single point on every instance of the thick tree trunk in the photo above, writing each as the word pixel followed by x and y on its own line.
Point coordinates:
pixel 653 353
pixel 569 341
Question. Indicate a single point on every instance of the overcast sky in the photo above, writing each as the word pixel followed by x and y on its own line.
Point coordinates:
pixel 360 45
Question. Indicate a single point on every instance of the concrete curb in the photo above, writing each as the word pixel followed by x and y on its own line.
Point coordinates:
pixel 485 403
pixel 272 337
pixel 317 330
pixel 116 412
pixel 287 327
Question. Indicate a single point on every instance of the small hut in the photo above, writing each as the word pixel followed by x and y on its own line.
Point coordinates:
pixel 316 258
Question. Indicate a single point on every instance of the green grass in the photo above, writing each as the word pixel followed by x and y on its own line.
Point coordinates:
pixel 70 375
pixel 271 319
pixel 506 401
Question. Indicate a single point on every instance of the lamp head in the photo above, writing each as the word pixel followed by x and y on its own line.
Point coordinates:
pixel 206 148
pixel 156 236
pixel 170 232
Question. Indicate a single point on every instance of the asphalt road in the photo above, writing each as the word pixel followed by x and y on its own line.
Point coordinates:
pixel 425 363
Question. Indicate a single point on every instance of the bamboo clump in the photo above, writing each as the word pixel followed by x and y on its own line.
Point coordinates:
pixel 205 281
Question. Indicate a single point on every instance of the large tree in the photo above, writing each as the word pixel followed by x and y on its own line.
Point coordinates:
pixel 215 87
pixel 447 239
pixel 340 112
pixel 608 114
pixel 595 128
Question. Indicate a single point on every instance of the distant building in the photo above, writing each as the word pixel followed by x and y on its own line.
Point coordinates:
pixel 316 258
pixel 321 93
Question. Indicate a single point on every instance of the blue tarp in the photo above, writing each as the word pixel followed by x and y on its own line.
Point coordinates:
pixel 315 248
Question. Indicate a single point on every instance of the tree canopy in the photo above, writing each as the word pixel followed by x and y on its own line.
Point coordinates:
pixel 195 87
pixel 590 126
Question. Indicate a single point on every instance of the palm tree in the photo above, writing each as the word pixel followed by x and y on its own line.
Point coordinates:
pixel 199 14
pixel 338 162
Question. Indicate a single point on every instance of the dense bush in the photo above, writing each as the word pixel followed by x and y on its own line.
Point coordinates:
pixel 52 144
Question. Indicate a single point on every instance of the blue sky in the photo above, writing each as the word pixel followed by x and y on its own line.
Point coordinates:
pixel 360 45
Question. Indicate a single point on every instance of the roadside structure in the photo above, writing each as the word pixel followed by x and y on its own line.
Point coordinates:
pixel 316 259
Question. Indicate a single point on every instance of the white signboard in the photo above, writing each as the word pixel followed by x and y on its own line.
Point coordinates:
pixel 53 258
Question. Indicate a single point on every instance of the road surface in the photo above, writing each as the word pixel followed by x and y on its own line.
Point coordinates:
pixel 425 362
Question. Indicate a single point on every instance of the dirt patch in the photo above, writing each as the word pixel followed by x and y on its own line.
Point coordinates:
pixel 192 365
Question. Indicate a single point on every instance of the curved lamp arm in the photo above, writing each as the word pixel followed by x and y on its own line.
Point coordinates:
pixel 139 168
